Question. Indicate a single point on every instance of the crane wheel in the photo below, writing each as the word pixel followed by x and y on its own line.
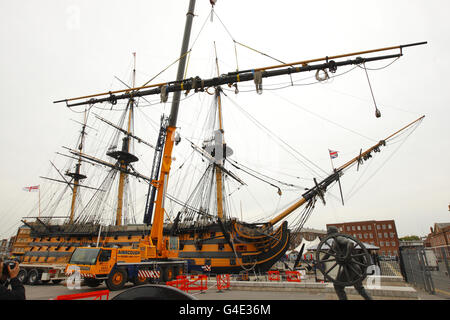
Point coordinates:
pixel 170 273
pixel 167 274
pixel 92 283
pixel 139 281
pixel 177 271
pixel 116 279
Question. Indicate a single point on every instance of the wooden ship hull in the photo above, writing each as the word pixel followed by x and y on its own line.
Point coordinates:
pixel 205 248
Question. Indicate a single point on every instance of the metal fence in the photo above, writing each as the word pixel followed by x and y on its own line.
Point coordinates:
pixel 427 269
pixel 390 268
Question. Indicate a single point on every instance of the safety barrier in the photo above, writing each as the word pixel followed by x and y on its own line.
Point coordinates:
pixel 179 283
pixel 289 276
pixel 190 283
pixel 223 282
pixel 97 295
pixel 274 275
pixel 293 276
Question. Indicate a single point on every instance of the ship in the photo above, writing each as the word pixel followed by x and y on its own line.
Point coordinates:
pixel 201 230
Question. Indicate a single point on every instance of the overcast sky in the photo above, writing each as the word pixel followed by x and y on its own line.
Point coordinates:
pixel 56 49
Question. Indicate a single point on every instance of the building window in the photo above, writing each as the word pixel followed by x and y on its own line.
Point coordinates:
pixel 348 228
pixel 378 227
pixel 340 229
pixel 364 227
pixel 358 227
pixel 385 235
pixel 365 235
pixel 380 235
pixel 371 236
pixel 353 228
pixel 384 227
pixel 393 243
pixel 387 243
pixel 392 235
pixel 382 243
pixel 360 235
pixel 389 226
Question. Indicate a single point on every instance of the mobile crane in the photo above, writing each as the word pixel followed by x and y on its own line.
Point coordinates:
pixel 157 254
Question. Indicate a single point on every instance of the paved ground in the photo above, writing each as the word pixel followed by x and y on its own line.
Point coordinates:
pixel 46 292
pixel 50 291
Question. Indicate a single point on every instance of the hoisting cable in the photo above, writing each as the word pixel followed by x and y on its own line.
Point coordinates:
pixel 377 112
pixel 165 69
pixel 280 140
pixel 322 117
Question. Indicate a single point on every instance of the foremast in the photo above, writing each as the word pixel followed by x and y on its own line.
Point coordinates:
pixel 77 176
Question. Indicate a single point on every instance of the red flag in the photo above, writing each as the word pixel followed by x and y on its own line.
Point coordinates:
pixel 31 189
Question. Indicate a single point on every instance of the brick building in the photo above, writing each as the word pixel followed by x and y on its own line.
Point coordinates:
pixel 382 234
pixel 439 239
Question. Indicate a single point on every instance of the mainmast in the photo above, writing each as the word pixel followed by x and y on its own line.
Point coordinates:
pixel 219 145
pixel 125 157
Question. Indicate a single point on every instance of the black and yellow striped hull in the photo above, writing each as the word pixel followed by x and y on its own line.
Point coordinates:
pixel 230 247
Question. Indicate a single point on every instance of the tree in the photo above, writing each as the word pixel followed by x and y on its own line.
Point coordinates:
pixel 409 238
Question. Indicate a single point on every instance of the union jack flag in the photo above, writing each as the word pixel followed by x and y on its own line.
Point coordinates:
pixel 31 189
pixel 333 154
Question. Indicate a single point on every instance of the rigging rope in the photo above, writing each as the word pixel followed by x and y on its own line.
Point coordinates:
pixel 412 129
pixel 323 118
pixel 282 142
pixel 279 181
pixel 377 112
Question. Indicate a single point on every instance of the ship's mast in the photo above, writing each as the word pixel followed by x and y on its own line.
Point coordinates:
pixel 219 144
pixel 77 176
pixel 126 149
